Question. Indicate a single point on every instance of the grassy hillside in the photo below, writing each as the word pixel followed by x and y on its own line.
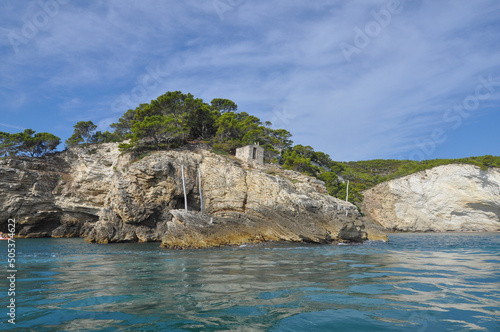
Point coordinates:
pixel 364 175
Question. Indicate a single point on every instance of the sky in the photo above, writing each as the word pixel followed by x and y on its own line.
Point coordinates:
pixel 357 80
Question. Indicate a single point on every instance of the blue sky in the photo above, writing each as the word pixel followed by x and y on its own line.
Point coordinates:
pixel 356 79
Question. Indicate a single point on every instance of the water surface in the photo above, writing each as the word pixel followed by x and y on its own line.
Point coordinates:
pixel 416 282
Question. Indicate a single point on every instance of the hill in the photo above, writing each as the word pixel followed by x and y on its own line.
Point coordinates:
pixel 178 120
pixel 364 175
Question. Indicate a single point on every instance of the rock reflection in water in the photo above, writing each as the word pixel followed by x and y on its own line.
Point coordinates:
pixel 266 287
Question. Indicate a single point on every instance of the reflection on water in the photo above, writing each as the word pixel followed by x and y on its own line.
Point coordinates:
pixel 416 282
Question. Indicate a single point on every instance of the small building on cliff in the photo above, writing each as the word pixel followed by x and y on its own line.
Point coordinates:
pixel 252 154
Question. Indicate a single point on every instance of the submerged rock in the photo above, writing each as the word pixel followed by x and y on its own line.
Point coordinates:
pixel 105 196
pixel 460 198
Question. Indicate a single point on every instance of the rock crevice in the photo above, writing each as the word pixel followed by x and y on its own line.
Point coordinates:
pixel 103 195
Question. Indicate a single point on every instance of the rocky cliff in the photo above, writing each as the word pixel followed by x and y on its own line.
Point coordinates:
pixel 446 198
pixel 104 195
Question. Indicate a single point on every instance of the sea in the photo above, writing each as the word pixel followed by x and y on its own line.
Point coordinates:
pixel 413 282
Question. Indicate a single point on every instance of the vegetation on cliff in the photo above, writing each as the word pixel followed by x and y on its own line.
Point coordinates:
pixel 176 119
pixel 27 143
pixel 364 175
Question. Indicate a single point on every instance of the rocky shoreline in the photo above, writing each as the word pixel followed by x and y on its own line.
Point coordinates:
pixel 105 196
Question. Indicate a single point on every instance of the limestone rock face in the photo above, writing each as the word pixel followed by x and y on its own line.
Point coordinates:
pixel 446 198
pixel 56 195
pixel 101 194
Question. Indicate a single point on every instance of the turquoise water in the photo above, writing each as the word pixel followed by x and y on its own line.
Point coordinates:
pixel 416 282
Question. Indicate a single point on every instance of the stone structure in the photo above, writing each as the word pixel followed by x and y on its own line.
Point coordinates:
pixel 252 154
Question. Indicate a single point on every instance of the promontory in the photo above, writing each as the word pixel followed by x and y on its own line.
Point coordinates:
pixel 106 196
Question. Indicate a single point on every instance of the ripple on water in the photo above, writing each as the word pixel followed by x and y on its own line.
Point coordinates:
pixel 415 281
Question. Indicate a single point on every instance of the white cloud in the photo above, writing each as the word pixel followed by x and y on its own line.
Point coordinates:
pixel 265 55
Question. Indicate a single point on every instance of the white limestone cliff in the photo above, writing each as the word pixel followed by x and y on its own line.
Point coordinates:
pixel 453 197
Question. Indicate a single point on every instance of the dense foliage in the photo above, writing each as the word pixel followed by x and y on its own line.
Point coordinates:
pixel 175 119
pixel 85 132
pixel 27 143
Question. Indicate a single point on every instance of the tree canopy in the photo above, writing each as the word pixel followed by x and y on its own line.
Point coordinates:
pixel 175 119
pixel 223 105
pixel 84 133
pixel 28 143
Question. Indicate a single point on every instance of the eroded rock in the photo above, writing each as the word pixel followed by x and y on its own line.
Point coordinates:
pixel 460 198
pixel 105 196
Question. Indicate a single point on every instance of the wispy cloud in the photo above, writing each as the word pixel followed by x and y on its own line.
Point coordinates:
pixel 11 126
pixel 265 55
